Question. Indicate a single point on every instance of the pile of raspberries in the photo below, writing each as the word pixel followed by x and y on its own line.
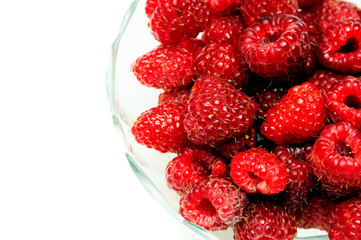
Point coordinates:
pixel 262 105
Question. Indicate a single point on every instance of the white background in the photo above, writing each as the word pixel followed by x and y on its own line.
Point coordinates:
pixel 62 174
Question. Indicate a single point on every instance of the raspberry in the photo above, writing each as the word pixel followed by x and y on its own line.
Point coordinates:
pixel 300 174
pixel 224 29
pixel 219 6
pixel 264 221
pixel 275 46
pixel 150 6
pixel 232 146
pixel 221 60
pixel 253 10
pixel 336 155
pixel 178 96
pixel 339 47
pixel 266 97
pixel 324 79
pixel 299 115
pixel 176 21
pixel 161 128
pixel 338 193
pixel 346 221
pixel 258 171
pixel 343 100
pixel 165 67
pixel 213 203
pixel 315 214
pixel 193 45
pixel 217 111
pixel 192 164
pixel 331 11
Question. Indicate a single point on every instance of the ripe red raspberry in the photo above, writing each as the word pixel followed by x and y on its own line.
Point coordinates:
pixel 224 29
pixel 150 6
pixel 258 171
pixel 165 67
pixel 343 100
pixel 177 96
pixel 161 128
pixel 336 155
pixel 232 146
pixel 339 47
pixel 331 11
pixel 346 221
pixel 193 45
pixel 315 214
pixel 299 115
pixel 300 173
pixel 220 6
pixel 193 164
pixel 266 221
pixel 217 111
pixel 266 97
pixel 176 21
pixel 275 46
pixel 324 79
pixel 221 60
pixel 213 203
pixel 253 10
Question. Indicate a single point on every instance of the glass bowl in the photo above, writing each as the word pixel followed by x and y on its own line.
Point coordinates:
pixel 128 99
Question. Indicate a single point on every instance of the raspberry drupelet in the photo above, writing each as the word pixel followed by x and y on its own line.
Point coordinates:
pixel 275 46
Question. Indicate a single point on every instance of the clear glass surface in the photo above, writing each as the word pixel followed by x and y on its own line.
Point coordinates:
pixel 128 99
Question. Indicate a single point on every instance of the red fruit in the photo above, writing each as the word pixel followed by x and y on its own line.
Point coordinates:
pixel 339 47
pixel 300 173
pixel 264 221
pixel 161 128
pixel 258 171
pixel 346 221
pixel 338 193
pixel 224 29
pixel 315 214
pixel 165 67
pixel 332 11
pixel 298 116
pixel 150 6
pixel 343 100
pixel 193 164
pixel 324 79
pixel 221 60
pixel 193 45
pixel 275 46
pixel 266 97
pixel 176 21
pixel 177 96
pixel 336 155
pixel 253 10
pixel 213 203
pixel 232 146
pixel 217 111
pixel 219 6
